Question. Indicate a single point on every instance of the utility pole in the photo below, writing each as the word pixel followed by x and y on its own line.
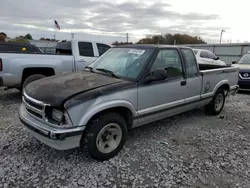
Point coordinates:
pixel 72 34
pixel 127 37
pixel 54 35
pixel 222 31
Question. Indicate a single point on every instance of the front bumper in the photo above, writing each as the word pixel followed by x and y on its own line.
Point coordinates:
pixel 57 138
pixel 244 84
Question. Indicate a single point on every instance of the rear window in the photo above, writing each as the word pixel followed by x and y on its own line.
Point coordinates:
pixel 64 48
pixel 16 48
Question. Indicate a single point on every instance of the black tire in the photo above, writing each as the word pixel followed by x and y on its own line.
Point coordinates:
pixel 95 126
pixel 211 108
pixel 32 78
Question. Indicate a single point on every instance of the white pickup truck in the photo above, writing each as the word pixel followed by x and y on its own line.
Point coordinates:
pixel 19 69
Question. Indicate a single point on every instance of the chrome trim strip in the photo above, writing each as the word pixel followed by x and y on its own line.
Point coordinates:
pixel 34 100
pixel 161 107
pixel 37 102
pixel 207 95
pixel 191 99
pixel 28 106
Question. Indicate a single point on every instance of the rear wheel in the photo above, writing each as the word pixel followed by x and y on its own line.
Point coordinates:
pixel 31 78
pixel 106 136
pixel 217 104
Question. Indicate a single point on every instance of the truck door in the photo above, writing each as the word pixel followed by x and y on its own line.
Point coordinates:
pixel 86 53
pixel 159 99
pixel 193 78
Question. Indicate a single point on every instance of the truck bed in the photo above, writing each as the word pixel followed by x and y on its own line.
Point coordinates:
pixel 213 77
pixel 209 67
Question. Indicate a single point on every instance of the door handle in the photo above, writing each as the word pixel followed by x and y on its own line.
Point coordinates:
pixel 183 83
pixel 82 60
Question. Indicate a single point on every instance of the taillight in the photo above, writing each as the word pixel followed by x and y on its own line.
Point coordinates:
pixel 1 65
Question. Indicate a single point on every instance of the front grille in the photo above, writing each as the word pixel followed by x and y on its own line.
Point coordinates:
pixel 34 107
pixel 245 75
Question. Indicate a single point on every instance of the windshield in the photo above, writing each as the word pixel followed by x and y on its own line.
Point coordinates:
pixel 123 62
pixel 245 59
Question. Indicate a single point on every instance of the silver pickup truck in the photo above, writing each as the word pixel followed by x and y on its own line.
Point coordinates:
pixel 19 69
pixel 126 87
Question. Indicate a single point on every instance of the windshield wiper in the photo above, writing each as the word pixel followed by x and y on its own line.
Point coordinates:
pixel 109 72
pixel 90 68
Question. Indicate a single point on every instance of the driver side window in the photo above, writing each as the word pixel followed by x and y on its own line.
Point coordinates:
pixel 169 59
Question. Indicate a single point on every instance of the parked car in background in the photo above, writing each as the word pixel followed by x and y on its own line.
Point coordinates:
pixel 127 87
pixel 12 47
pixel 206 57
pixel 19 69
pixel 244 75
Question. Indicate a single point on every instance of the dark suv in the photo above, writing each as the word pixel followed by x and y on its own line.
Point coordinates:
pixel 244 75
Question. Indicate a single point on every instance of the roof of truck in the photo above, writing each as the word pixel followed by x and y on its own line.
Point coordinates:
pixel 150 46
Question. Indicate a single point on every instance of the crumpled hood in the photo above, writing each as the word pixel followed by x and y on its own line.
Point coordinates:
pixel 54 90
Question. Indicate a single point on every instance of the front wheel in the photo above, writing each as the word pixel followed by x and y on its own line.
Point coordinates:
pixel 217 104
pixel 106 136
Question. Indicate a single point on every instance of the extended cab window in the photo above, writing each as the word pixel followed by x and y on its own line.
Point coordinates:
pixel 191 64
pixel 102 48
pixel 86 49
pixel 169 60
pixel 195 51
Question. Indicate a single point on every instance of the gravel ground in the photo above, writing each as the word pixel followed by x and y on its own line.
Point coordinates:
pixel 188 150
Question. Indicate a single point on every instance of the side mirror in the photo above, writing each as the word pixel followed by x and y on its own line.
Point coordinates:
pixel 217 58
pixel 234 62
pixel 157 75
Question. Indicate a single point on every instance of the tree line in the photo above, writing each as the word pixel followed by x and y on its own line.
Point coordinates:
pixel 150 39
pixel 22 38
pixel 168 38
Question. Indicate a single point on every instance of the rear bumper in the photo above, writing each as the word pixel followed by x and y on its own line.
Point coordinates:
pixel 57 138
pixel 233 90
pixel 9 80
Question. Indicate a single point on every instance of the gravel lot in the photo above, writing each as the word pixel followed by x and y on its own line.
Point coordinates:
pixel 188 150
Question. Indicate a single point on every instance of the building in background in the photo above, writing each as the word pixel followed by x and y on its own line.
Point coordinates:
pixel 226 52
pixel 45 46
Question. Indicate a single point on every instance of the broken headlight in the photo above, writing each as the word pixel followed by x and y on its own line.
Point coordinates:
pixel 57 115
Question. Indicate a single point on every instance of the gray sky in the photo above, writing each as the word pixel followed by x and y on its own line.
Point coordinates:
pixel 107 21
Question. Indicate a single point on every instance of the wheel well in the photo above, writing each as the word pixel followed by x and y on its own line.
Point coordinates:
pixel 30 71
pixel 123 111
pixel 225 87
